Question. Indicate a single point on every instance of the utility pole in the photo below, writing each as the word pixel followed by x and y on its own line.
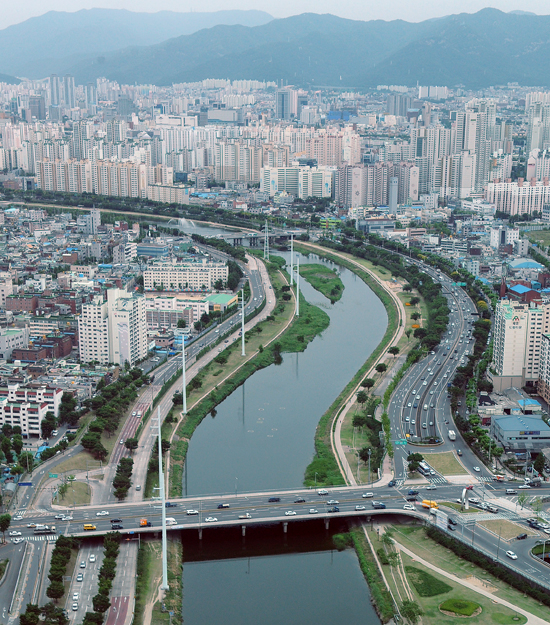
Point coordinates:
pixel 298 287
pixel 164 585
pixel 242 322
pixel 291 258
pixel 183 379
pixel 266 241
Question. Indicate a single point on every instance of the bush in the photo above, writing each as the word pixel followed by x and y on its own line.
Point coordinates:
pixel 460 606
pixel 426 585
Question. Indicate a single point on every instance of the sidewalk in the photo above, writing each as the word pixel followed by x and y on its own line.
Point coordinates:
pixel 531 619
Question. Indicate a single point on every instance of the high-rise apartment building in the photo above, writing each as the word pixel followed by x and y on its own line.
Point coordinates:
pixel 517 335
pixel 114 330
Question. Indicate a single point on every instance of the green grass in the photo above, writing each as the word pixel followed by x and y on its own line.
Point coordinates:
pixel 460 606
pixel 324 463
pixel 445 463
pixel 458 507
pixel 426 585
pixel 323 279
pixel 3 567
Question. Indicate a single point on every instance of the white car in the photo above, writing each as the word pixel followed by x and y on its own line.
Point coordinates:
pixel 14 533
pixel 407 419
pixel 18 518
pixel 360 508
pixel 75 596
pixel 92 558
pixel 477 469
pixel 367 495
pixel 191 512
pixel 210 519
pixel 312 511
pixel 68 518
pixel 75 607
pixel 409 405
pixel 524 486
pixel 290 513
pixel 511 555
pixel 408 506
pixel 16 541
pixel 102 513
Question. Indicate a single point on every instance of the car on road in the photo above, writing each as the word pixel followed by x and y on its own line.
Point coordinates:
pixel 452 521
pixel 67 518
pixel 524 486
pixel 16 541
pixel 332 502
pixel 75 607
pixel 134 413
pixel 300 500
pixel 122 441
pixel 511 555
pixel 59 516
pixel 367 495
pixel 83 564
pixel 116 526
pixel 431 487
pixel 274 499
pixel 413 422
pixel 14 533
pixel 223 505
pixel 116 520
pixel 80 577
pixel 393 482
pixel 210 519
pixel 191 512
pixel 476 469
pixel 102 513
pixel 247 515
pixel 334 509
pixel 75 596
pixel 92 558
pixel 18 517
pixel 313 511
pixel 31 524
pixel 360 507
pixel 521 536
pixel 408 506
pixel 409 405
pixel 290 513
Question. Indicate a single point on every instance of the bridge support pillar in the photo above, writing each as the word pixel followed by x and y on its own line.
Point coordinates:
pixel 243 530
pixel 327 523
pixel 200 533
pixel 285 527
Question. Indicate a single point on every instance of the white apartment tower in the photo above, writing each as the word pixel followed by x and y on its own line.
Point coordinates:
pixel 114 330
pixel 518 331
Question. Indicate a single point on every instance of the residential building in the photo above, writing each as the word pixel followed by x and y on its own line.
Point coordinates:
pixel 175 276
pixel 13 338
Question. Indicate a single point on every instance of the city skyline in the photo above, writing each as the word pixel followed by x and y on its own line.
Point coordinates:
pixel 391 10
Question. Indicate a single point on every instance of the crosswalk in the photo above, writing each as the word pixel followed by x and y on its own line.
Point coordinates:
pixel 482 478
pixel 489 516
pixel 399 482
pixel 38 537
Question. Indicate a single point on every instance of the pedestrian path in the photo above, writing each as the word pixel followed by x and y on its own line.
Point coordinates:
pixel 489 516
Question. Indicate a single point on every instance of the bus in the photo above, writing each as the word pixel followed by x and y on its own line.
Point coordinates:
pixel 44 529
pixel 424 468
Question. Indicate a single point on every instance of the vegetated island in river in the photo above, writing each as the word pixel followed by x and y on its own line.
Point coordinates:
pixel 323 279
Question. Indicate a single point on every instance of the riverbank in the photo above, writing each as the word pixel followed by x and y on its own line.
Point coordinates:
pixel 280 333
pixel 328 466
pixel 325 280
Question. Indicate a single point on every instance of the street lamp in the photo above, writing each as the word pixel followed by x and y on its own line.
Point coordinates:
pixel 315 479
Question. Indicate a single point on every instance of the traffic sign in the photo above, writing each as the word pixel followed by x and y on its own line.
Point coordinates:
pixel 25 483
pixel 401 441
pixel 52 475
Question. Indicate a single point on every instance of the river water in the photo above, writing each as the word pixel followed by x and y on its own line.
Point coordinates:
pixel 262 438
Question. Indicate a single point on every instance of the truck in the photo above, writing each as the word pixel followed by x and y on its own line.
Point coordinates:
pixel 452 435
pixel 171 521
pixel 45 529
pixel 169 504
pixel 426 503
pixel 144 523
pixel 536 481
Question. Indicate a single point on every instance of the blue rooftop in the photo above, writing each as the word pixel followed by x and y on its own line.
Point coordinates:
pixel 522 423
pixel 520 289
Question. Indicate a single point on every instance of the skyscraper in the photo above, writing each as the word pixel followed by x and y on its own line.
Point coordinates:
pixel 69 91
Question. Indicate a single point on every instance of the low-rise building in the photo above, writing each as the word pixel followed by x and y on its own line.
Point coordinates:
pixel 521 433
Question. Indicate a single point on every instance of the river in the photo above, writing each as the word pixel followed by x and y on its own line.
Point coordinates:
pixel 262 438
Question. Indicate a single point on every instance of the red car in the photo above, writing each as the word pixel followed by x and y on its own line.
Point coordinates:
pixel 471 487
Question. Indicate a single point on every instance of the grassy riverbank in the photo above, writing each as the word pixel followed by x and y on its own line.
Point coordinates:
pixel 324 463
pixel 323 279
pixel 301 331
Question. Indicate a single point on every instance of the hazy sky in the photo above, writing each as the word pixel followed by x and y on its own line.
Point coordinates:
pixel 13 12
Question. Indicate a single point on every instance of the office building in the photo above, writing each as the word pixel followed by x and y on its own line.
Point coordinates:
pixel 521 433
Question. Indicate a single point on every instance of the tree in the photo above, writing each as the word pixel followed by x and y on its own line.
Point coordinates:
pixel 17 443
pixel 411 611
pixel 538 465
pixel 62 489
pixel 182 323
pixel 408 333
pixel 394 350
pixel 408 288
pixel 367 383
pixel 364 454
pixel 416 316
pixel 218 285
pixel 522 499
pixel 5 522
pixel 420 333
pixel 101 603
pixel 131 444
pixel 48 424
pixel 31 616
pixel 381 367
pixel 362 397
pixel 415 301
pixel 55 590
pixel 482 305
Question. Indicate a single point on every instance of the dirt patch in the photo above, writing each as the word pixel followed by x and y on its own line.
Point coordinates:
pixel 446 613
pixel 480 583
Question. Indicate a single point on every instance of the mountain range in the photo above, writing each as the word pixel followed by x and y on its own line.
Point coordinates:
pixel 309 50
pixel 55 41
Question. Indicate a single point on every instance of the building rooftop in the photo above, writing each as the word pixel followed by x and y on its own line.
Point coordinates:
pixel 522 423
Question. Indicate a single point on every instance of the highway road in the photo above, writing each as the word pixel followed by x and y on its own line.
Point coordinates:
pixel 420 406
